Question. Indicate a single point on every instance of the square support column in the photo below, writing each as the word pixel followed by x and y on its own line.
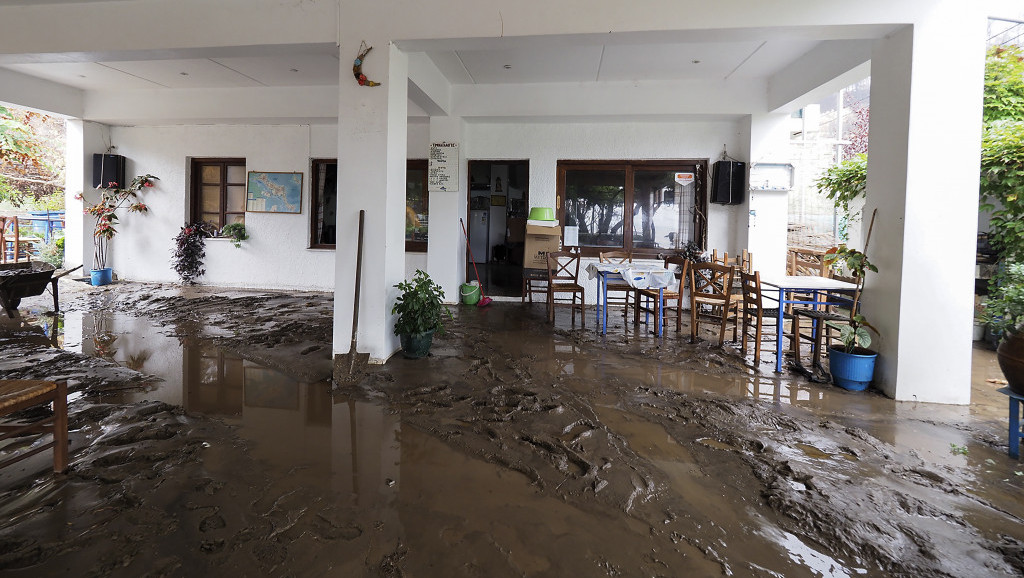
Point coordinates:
pixel 766 213
pixel 923 174
pixel 82 139
pixel 372 135
pixel 446 251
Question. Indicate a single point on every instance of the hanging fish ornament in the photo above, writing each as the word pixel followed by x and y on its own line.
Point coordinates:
pixel 357 66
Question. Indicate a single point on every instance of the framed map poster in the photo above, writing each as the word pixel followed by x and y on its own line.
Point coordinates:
pixel 274 192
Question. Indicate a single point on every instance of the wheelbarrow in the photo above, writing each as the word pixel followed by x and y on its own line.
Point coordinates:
pixel 18 280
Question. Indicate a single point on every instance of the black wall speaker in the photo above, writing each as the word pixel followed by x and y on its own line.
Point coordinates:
pixel 107 169
pixel 729 182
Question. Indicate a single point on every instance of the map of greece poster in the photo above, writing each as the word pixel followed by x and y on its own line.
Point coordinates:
pixel 274 192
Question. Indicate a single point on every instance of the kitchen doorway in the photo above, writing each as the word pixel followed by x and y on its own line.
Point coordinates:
pixel 498 203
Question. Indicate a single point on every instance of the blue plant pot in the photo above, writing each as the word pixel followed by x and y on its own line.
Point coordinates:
pixel 852 371
pixel 102 276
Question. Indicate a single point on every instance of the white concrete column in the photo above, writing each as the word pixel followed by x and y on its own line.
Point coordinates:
pixel 766 213
pixel 446 251
pixel 82 140
pixel 926 93
pixel 372 135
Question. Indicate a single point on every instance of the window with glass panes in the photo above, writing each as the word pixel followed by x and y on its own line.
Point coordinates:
pixel 218 191
pixel 417 208
pixel 646 207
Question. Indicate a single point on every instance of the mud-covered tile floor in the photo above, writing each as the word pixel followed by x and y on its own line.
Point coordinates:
pixel 209 439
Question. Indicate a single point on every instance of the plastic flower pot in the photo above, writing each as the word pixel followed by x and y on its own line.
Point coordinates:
pixel 852 371
pixel 416 345
pixel 102 276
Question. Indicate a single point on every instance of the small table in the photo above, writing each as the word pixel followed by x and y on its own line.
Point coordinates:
pixel 637 276
pixel 802 284
pixel 1016 402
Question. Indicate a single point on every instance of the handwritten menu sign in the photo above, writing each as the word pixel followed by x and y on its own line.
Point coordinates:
pixel 443 169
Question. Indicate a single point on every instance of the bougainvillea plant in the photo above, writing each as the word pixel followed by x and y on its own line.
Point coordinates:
pixel 190 250
pixel 112 198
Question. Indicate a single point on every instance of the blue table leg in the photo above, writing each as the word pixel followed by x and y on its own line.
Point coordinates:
pixel 661 311
pixel 778 332
pixel 1015 434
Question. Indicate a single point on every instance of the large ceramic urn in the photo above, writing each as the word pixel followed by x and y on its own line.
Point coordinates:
pixel 1011 360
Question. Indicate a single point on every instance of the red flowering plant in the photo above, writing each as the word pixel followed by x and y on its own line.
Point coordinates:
pixel 112 198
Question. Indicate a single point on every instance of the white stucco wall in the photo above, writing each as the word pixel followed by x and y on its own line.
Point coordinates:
pixel 275 256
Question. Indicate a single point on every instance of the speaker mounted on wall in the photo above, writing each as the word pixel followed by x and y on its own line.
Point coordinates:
pixel 729 182
pixel 107 169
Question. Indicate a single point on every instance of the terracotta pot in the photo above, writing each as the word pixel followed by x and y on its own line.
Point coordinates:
pixel 1011 361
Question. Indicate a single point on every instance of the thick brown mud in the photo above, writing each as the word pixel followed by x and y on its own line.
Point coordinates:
pixel 207 439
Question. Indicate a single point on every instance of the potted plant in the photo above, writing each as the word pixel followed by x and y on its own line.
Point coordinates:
pixel 235 232
pixel 853 365
pixel 112 198
pixel 190 250
pixel 1005 308
pixel 421 312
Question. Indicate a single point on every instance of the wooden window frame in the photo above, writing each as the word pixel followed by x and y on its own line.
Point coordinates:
pixel 698 166
pixel 196 208
pixel 418 164
pixel 314 181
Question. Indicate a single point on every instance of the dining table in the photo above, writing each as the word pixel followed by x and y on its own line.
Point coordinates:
pixel 807 291
pixel 637 276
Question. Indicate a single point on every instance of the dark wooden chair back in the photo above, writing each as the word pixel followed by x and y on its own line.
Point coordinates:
pixel 563 267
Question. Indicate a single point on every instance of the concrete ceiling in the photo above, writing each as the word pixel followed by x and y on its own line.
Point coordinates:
pixel 498 63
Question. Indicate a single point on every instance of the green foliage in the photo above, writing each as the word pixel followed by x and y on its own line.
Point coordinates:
pixel 235 232
pixel 854 333
pixel 53 252
pixel 1002 185
pixel 420 307
pixel 190 250
pixel 1005 304
pixel 17 142
pixel 1004 84
pixel 957 450
pixel 844 183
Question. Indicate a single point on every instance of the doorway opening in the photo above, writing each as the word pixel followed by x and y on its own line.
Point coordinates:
pixel 498 203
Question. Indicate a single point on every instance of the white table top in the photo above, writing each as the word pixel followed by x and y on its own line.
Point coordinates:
pixel 808 282
pixel 637 275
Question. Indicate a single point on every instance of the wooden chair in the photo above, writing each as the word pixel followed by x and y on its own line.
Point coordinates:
pixel 681 266
pixel 10 240
pixel 563 277
pixel 534 281
pixel 619 286
pixel 755 313
pixel 711 298
pixel 20 394
pixel 808 262
pixel 822 334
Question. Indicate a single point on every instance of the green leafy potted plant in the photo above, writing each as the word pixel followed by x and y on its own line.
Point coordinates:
pixel 112 198
pixel 190 250
pixel 235 232
pixel 853 365
pixel 421 311
pixel 1005 311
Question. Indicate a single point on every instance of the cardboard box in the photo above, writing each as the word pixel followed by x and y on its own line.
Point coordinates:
pixel 539 242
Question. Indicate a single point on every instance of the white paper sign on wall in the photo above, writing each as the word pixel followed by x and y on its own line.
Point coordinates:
pixel 684 178
pixel 443 167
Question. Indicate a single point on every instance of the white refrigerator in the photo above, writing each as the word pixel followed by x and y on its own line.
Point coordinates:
pixel 478 235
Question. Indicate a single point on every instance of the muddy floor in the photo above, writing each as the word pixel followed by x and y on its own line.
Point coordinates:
pixel 208 439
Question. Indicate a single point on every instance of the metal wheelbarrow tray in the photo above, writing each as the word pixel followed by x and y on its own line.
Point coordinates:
pixel 26 279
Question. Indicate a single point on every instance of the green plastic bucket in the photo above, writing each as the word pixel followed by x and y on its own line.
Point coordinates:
pixel 470 293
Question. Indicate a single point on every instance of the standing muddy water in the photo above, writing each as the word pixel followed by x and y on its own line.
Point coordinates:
pixel 207 439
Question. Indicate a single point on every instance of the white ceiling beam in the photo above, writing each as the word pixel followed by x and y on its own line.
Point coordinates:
pixel 622 99
pixel 38 94
pixel 829 66
pixel 428 87
pixel 265 105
